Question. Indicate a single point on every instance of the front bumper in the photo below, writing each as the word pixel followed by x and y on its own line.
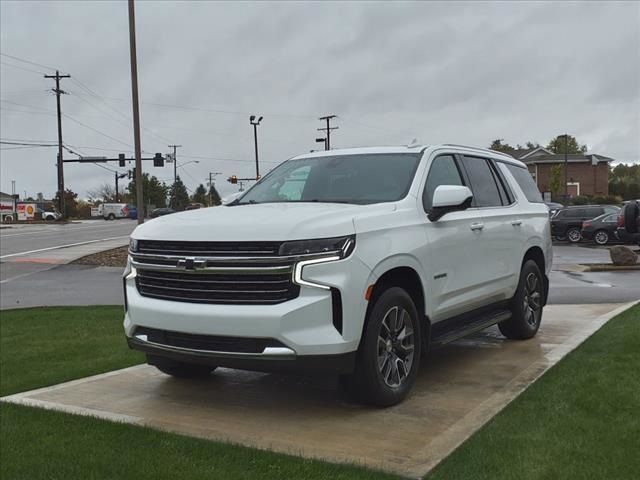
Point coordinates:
pixel 304 326
pixel 277 360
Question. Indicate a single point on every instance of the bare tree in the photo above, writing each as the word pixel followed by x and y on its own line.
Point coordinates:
pixel 104 193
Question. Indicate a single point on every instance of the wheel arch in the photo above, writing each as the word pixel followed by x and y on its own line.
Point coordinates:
pixel 407 278
pixel 536 254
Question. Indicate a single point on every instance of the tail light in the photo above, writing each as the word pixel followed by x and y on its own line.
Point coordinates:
pixel 586 224
pixel 621 219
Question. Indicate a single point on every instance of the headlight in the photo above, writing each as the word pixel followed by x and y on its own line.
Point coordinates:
pixel 322 251
pixel 133 245
pixel 340 246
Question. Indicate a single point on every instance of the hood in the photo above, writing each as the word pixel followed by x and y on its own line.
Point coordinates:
pixel 261 222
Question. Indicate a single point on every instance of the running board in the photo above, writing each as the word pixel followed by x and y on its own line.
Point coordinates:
pixel 459 329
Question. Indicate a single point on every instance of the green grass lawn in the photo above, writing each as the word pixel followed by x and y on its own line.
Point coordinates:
pixel 580 420
pixel 41 347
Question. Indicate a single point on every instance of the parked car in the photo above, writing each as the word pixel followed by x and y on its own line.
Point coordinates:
pixel 159 212
pixel 554 207
pixel 602 229
pixel 629 223
pixel 566 224
pixel 351 261
pixel 49 215
pixel 194 206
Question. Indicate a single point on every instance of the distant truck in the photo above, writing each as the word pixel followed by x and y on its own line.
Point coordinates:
pixel 111 211
pixel 8 210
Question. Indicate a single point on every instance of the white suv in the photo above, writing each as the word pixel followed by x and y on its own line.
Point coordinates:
pixel 348 261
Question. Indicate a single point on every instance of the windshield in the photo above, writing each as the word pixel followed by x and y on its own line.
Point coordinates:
pixel 359 179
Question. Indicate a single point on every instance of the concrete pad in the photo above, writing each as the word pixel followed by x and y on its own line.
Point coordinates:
pixel 460 387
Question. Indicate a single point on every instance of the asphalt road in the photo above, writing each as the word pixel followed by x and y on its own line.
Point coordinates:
pixel 26 240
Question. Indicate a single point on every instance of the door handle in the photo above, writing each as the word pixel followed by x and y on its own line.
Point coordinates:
pixel 516 223
pixel 477 226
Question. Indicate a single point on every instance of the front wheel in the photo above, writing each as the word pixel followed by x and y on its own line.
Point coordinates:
pixel 601 237
pixel 526 304
pixel 389 353
pixel 574 235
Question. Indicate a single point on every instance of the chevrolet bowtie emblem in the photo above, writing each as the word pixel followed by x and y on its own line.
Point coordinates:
pixel 192 263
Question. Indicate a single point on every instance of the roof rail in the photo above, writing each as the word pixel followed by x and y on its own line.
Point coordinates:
pixel 488 150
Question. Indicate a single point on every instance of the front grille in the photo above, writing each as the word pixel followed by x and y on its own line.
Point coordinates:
pixel 213 343
pixel 209 249
pixel 241 287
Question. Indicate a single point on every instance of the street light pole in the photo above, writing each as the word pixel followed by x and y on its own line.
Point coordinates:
pixel 252 121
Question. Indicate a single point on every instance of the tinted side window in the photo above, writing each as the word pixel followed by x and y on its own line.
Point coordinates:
pixel 483 184
pixel 443 171
pixel 594 212
pixel 503 186
pixel 526 183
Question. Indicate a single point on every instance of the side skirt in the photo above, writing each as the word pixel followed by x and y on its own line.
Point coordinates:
pixel 468 323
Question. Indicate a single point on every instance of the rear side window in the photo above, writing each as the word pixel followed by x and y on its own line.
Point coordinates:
pixel 483 182
pixel 594 212
pixel 526 183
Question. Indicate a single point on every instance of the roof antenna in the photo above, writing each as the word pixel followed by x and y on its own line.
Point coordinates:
pixel 413 143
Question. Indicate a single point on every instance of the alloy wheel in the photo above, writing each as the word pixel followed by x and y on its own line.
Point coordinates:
pixel 574 235
pixel 532 303
pixel 602 238
pixel 396 344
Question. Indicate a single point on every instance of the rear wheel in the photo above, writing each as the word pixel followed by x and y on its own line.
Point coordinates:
pixel 526 304
pixel 601 237
pixel 179 369
pixel 389 353
pixel 574 235
pixel 111 216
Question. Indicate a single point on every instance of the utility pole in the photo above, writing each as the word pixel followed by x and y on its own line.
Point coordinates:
pixel 175 163
pixel 328 128
pixel 212 175
pixel 136 111
pixel 118 177
pixel 566 170
pixel 252 121
pixel 59 164
pixel 175 168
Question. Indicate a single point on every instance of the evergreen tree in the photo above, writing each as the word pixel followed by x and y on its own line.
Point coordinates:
pixel 178 195
pixel 200 195
pixel 214 195
pixel 153 192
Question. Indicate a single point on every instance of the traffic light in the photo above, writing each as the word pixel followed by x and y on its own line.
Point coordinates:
pixel 121 159
pixel 132 173
pixel 233 179
pixel 158 160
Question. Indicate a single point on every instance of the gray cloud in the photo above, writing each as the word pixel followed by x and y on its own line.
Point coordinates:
pixel 464 72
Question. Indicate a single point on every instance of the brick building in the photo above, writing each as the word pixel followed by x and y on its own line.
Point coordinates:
pixel 588 174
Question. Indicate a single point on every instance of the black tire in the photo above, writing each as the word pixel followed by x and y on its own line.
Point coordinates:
pixel 631 217
pixel 179 369
pixel 111 216
pixel 386 371
pixel 526 305
pixel 601 237
pixel 574 235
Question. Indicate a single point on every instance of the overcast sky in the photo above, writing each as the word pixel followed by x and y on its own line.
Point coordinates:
pixel 440 72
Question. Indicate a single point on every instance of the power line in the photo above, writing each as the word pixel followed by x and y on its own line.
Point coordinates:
pixel 26 61
pixel 22 68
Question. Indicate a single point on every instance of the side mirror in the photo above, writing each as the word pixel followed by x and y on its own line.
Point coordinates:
pixel 449 198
